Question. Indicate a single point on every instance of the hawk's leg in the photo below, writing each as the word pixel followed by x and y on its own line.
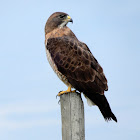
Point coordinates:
pixel 67 91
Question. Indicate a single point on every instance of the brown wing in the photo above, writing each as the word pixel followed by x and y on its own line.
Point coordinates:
pixel 74 60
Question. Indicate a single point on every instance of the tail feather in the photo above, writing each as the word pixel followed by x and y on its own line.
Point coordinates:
pixel 102 103
pixel 108 115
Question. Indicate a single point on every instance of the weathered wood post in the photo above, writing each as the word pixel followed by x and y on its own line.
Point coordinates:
pixel 72 115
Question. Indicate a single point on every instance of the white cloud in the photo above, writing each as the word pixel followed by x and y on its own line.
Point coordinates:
pixel 8 124
pixel 23 109
pixel 28 107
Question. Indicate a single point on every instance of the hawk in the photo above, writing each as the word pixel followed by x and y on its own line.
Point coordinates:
pixel 74 63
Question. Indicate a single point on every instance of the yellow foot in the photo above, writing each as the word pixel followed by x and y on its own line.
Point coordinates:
pixel 67 91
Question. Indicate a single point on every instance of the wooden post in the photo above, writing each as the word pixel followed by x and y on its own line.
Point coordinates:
pixel 72 115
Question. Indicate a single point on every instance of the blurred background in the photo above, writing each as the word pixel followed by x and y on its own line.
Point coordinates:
pixel 28 86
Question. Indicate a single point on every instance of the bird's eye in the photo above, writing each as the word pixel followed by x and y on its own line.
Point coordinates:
pixel 62 16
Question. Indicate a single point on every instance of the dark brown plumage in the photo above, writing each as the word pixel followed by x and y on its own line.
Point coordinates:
pixel 74 63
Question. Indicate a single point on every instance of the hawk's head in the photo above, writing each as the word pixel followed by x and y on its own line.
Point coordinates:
pixel 58 19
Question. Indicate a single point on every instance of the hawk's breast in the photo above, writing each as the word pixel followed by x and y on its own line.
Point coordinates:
pixel 55 69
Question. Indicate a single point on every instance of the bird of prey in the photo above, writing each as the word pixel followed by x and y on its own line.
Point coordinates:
pixel 74 63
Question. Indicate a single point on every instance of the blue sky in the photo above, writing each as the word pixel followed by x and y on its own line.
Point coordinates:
pixel 28 86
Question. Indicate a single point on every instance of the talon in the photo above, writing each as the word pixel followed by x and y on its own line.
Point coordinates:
pixel 59 102
pixel 56 96
pixel 62 92
pixel 67 91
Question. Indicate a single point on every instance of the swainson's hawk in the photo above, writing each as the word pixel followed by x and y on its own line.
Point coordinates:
pixel 74 63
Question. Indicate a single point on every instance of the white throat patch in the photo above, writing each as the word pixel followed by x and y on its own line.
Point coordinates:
pixel 63 24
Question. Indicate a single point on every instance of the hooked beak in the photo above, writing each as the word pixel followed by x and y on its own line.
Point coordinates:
pixel 69 19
